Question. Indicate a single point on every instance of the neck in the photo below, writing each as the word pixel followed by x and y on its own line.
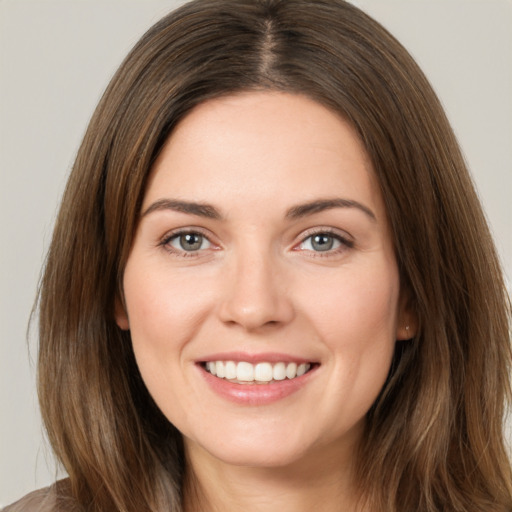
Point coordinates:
pixel 320 483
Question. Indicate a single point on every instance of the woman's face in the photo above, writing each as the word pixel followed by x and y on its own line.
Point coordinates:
pixel 263 251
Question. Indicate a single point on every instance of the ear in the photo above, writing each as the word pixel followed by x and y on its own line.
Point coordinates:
pixel 121 315
pixel 407 320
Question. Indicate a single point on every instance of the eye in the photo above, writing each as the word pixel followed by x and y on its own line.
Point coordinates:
pixel 324 242
pixel 320 242
pixel 189 241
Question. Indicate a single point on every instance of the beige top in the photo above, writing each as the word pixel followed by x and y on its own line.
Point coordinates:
pixel 37 501
pixel 43 500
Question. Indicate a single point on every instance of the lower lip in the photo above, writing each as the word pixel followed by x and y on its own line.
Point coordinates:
pixel 256 394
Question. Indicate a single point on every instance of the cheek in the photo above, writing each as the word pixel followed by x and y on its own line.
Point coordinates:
pixel 164 313
pixel 355 316
pixel 357 309
pixel 164 308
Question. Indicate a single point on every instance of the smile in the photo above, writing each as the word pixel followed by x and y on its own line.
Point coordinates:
pixel 243 372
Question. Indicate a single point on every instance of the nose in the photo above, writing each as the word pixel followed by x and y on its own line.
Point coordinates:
pixel 256 294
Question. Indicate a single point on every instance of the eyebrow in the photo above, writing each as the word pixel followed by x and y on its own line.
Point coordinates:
pixel 321 205
pixel 199 209
pixel 296 212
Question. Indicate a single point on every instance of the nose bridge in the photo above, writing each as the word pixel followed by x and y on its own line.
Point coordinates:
pixel 256 294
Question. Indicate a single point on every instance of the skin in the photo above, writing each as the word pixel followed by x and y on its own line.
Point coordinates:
pixel 257 284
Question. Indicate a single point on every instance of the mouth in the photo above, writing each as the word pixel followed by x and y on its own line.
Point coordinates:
pixel 256 379
pixel 261 373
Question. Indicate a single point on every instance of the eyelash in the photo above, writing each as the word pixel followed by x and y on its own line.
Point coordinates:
pixel 166 241
pixel 344 242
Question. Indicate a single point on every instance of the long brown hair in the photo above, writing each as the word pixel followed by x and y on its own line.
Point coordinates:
pixel 434 438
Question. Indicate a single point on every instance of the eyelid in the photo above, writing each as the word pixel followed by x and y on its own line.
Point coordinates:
pixel 164 241
pixel 342 236
pixel 339 233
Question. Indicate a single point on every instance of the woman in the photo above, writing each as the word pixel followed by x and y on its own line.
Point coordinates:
pixel 271 284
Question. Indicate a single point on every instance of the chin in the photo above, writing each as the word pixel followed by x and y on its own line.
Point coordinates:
pixel 269 457
pixel 262 448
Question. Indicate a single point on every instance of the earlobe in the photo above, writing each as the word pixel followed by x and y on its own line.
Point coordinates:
pixel 406 331
pixel 121 315
pixel 407 324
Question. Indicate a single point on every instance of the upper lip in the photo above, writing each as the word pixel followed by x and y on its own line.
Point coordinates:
pixel 264 357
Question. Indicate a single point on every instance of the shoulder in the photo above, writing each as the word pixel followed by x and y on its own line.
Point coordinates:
pixel 42 500
pixel 48 499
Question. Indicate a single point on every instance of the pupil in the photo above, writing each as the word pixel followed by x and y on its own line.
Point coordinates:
pixel 191 241
pixel 322 242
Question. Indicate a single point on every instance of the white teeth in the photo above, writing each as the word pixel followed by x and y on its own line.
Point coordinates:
pixel 244 372
pixel 279 371
pixel 211 367
pixel 261 372
pixel 291 370
pixel 301 369
pixel 221 372
pixel 230 368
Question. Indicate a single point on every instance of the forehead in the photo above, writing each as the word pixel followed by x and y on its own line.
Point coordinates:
pixel 271 144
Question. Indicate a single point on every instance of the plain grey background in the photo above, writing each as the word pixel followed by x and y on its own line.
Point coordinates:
pixel 56 57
